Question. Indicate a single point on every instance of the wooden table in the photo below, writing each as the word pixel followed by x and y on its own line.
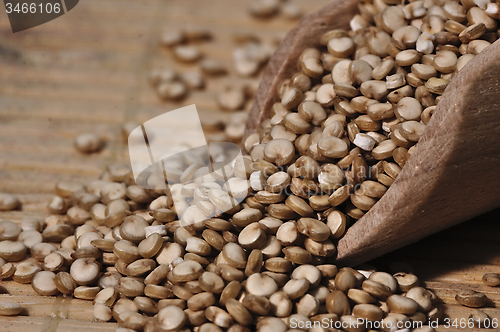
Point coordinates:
pixel 86 71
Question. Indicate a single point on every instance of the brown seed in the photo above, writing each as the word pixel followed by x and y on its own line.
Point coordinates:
pixel 491 279
pixel 338 303
pixel 88 143
pixel 314 229
pixel 406 281
pixel 171 318
pixel 12 251
pixel 402 304
pixel 470 298
pixel 10 309
pixel 238 311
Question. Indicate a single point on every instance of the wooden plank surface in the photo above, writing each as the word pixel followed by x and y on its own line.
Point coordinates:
pixel 86 71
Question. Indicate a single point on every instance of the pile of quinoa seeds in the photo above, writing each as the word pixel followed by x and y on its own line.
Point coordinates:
pixel 345 126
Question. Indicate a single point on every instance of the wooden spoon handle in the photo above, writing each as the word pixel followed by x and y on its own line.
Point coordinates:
pixel 453 174
pixel 283 63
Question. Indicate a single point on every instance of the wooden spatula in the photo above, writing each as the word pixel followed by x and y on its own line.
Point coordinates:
pixel 454 172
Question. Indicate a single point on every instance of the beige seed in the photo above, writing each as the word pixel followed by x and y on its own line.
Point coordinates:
pixel 186 271
pixel 423 71
pixel 278 265
pixel 422 296
pixel 477 46
pixel 383 69
pixel 296 124
pixel 218 316
pixel 391 169
pixel 279 151
pixel 107 296
pixel 187 53
pixel 380 111
pixel 234 255
pixel 436 85
pixel 261 285
pixel 44 283
pixel 408 109
pixel 292 98
pixel 281 306
pixel 299 206
pixel 425 43
pixel 157 292
pixel 364 142
pixel 340 195
pixel 360 71
pixel 171 90
pixel 25 271
pixel 287 233
pixel 201 301
pixel 309 272
pixel 126 251
pixel 10 309
pixel 171 318
pixel 85 271
pixel 211 282
pixel 88 143
pixel 9 230
pixel 53 261
pixel 374 89
pixel 445 61
pixel 470 298
pixel 376 289
pixel 102 313
pixel 7 270
pixel 238 311
pixel 338 303
pixel 368 312
pixel 337 223
pixel 308 305
pixel 252 236
pixel 58 205
pixel 295 288
pixel 130 287
pixel 412 130
pixel 341 47
pixel 360 296
pixel 319 249
pixel 311 67
pixel 332 147
pixel 123 305
pixel 254 263
pixel 312 112
pixel 64 283
pixel 232 98
pixel 222 200
pixel 277 182
pixel 402 305
pixel 325 95
pixel 407 57
pixel 140 267
pixel 491 279
pixel 12 251
pixel 480 319
pixel 345 280
pixel 314 229
pixel 373 189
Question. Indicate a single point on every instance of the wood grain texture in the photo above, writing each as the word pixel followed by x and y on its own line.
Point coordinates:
pixel 86 71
